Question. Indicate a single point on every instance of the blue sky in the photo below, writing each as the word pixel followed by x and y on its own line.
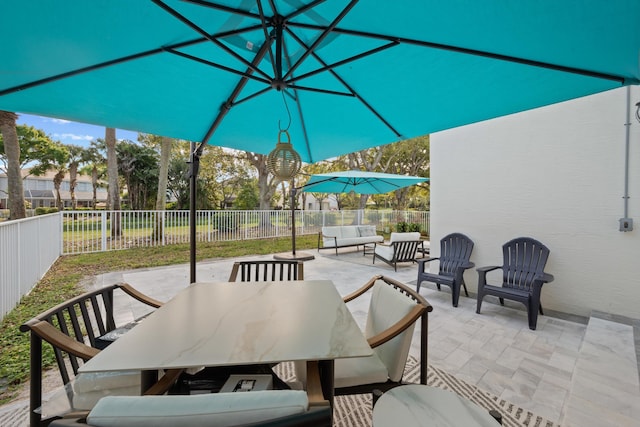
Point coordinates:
pixel 71 132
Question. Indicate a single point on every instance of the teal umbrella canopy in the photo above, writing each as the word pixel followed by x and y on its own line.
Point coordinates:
pixel 360 182
pixel 353 74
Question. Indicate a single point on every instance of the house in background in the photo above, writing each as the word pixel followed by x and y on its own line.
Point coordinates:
pixel 558 174
pixel 39 191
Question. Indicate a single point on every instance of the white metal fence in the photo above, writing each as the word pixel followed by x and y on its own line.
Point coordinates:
pixel 28 247
pixel 96 231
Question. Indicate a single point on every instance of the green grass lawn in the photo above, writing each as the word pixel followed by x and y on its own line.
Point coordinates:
pixel 63 279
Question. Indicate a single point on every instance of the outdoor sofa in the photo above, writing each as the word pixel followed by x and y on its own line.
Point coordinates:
pixel 347 235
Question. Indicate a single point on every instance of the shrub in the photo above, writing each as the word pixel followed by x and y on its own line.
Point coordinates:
pixel 44 211
pixel 403 227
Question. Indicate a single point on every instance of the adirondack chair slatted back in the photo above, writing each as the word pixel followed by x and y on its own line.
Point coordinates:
pixel 262 271
pixel 455 250
pixel 524 259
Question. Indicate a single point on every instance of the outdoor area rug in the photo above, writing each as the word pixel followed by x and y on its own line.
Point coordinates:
pixel 355 410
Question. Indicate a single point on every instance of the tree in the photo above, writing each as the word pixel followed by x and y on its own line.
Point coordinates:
pixel 113 199
pixel 267 183
pixel 11 148
pixel 96 167
pixel 139 167
pixel 164 144
pixel 77 156
pixel 58 162
pixel 37 150
pixel 409 157
pixel 247 197
pixel 223 174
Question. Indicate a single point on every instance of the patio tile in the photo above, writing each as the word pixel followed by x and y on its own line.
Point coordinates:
pixel 561 371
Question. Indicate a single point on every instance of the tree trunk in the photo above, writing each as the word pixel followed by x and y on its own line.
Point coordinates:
pixel 73 182
pixel 15 188
pixel 57 182
pixel 163 177
pixel 94 183
pixel 112 173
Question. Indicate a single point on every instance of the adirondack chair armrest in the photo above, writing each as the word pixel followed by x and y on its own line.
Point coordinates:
pixel 547 278
pixel 482 273
pixel 467 265
pixel 423 261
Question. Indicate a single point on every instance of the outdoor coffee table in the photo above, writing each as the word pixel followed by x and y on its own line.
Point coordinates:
pixel 240 323
pixel 424 406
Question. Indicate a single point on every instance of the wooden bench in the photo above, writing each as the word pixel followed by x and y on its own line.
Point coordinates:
pixel 74 329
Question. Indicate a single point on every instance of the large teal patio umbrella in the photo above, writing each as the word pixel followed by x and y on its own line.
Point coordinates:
pixel 357 74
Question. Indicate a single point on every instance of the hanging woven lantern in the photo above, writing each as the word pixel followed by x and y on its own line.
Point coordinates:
pixel 284 162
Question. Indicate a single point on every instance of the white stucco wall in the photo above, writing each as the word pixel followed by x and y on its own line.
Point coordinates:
pixel 555 174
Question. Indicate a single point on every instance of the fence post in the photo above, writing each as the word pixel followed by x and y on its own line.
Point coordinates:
pixel 103 231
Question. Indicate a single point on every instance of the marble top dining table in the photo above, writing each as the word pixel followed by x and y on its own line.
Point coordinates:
pixel 238 323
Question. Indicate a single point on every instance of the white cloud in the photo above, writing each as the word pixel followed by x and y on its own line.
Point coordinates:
pixel 60 121
pixel 74 136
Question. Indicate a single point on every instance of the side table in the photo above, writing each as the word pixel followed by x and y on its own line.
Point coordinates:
pixel 423 406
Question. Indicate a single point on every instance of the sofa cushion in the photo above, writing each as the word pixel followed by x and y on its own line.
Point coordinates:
pixel 366 230
pixel 349 231
pixel 333 231
pixel 213 409
pixel 384 251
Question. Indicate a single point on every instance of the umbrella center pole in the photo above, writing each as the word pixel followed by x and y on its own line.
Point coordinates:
pixel 278 24
pixel 194 166
pixel 293 219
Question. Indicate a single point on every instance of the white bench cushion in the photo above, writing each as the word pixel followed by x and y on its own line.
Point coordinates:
pixel 89 388
pixel 354 371
pixel 214 409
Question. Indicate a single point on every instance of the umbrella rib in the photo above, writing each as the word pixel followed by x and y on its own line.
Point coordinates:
pixel 247 98
pixel 118 61
pixel 344 61
pixel 206 35
pixel 474 52
pixel 325 32
pixel 223 8
pixel 303 9
pixel 263 22
pixel 216 65
pixel 294 94
pixel 327 91
pixel 349 88
pixel 224 108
